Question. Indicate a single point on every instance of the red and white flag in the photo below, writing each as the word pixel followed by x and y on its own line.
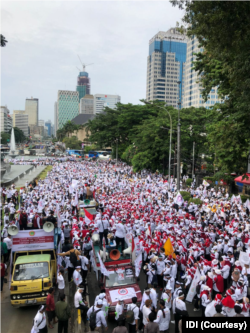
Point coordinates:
pixel 88 217
pixel 222 213
pixel 148 231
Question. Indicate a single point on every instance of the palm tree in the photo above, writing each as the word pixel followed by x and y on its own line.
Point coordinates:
pixel 3 41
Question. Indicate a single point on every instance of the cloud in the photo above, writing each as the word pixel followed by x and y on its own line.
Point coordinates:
pixel 45 37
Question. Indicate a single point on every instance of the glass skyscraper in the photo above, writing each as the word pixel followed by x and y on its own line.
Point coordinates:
pixel 167 54
pixel 83 85
pixel 67 106
pixel 191 95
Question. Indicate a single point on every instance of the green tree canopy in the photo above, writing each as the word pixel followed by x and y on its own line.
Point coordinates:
pixel 72 143
pixel 19 135
pixel 223 31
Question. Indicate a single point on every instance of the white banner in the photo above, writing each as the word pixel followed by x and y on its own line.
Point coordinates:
pixel 128 239
pixel 178 199
pixel 103 268
pixel 124 293
pixel 244 258
pixel 74 183
pixel 27 240
pixel 138 263
pixel 192 289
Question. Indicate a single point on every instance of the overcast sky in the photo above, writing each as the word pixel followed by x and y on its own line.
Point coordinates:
pixel 45 37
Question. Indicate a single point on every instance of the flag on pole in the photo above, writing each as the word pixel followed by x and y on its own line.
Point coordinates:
pixel 168 247
pixel 222 213
pixel 192 289
pixel 133 254
pixel 148 231
pixel 103 268
pixel 205 183
pixel 138 263
pixel 178 199
pixel 104 249
pixel 88 217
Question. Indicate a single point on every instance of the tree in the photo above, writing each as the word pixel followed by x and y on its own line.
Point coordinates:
pixel 5 137
pixel 3 41
pixel 223 31
pixel 72 143
pixel 19 135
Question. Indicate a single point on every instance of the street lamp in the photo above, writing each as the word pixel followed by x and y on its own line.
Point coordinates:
pixel 179 142
pixel 170 143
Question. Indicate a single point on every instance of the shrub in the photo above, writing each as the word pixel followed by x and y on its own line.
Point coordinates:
pixel 244 198
pixel 185 195
pixel 196 201
pixel 189 181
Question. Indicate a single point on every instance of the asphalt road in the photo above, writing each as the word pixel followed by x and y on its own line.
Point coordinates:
pixel 21 320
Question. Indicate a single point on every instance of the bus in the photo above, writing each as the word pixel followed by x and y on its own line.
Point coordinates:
pixel 75 152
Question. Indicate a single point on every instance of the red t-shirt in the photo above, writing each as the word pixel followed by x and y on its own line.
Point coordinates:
pixel 50 303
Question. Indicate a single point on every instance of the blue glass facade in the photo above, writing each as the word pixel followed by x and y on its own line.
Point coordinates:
pixel 48 124
pixel 164 46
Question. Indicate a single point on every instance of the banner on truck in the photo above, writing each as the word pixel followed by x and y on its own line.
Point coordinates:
pixel 28 240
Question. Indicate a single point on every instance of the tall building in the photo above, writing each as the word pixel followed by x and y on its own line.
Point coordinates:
pixel 167 54
pixel 6 120
pixel 48 125
pixel 36 131
pixel 21 120
pixel 191 94
pixel 87 104
pixel 55 119
pixel 83 84
pixel 40 122
pixel 101 101
pixel 67 106
pixel 32 110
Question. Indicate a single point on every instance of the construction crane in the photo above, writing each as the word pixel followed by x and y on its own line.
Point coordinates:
pixel 83 65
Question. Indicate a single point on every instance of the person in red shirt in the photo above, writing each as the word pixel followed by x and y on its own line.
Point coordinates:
pixel 3 268
pixel 50 307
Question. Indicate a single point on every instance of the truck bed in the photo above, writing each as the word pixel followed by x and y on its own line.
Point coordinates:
pixel 109 262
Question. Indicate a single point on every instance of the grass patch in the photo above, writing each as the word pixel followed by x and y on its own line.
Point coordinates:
pixel 44 173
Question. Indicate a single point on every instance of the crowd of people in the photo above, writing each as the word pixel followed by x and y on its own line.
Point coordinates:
pixel 207 238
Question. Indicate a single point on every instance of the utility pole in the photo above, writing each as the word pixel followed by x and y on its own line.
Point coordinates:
pixel 116 151
pixel 179 142
pixel 193 160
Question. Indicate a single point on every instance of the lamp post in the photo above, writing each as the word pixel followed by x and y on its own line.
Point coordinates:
pixel 179 143
pixel 170 143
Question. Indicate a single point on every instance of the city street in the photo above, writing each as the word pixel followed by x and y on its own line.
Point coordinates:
pixel 20 320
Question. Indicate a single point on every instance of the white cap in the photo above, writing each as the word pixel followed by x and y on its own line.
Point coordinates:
pixel 99 302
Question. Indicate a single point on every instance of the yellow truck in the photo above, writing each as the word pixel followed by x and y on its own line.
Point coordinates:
pixel 33 268
pixel 33 274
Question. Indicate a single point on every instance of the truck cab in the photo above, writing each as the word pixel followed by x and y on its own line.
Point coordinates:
pixel 33 274
pixel 121 283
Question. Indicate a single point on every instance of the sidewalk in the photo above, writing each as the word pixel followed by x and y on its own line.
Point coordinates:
pixel 30 176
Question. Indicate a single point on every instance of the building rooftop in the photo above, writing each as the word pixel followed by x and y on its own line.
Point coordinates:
pixel 83 118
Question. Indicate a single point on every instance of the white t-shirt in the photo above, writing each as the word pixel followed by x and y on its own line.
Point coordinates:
pixel 60 280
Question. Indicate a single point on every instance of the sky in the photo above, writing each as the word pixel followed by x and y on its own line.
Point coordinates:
pixel 46 37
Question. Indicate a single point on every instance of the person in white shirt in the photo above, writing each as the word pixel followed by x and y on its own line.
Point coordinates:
pixel 120 235
pixel 146 295
pixel 80 303
pixel 61 282
pixel 153 296
pixel 40 324
pixel 163 317
pixel 77 276
pixel 178 304
pixel 167 297
pixel 119 308
pixel 100 318
pixel 133 327
pixel 146 310
pixel 85 267
pixel 8 242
